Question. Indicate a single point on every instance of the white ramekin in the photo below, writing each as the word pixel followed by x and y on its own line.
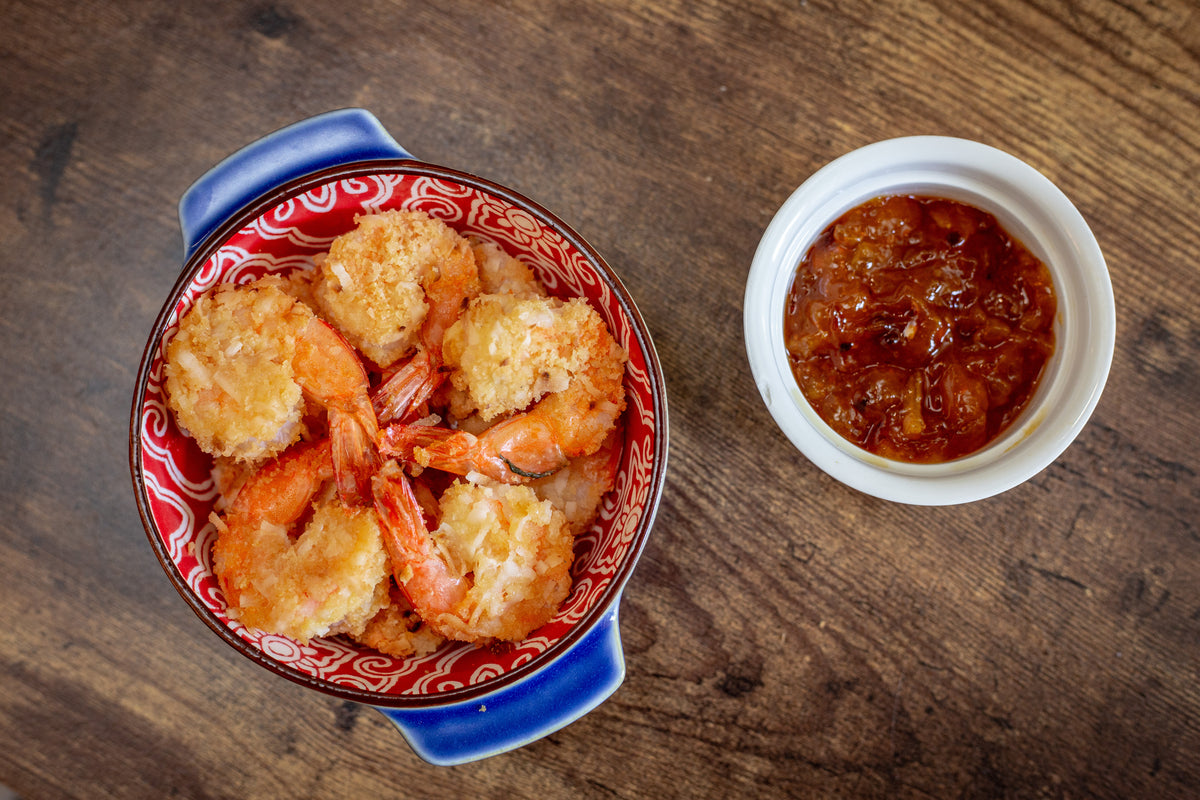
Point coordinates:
pixel 1031 209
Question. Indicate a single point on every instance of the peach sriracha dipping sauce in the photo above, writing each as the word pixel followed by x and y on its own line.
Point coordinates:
pixel 918 328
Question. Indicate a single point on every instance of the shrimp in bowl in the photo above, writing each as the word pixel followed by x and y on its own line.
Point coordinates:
pixel 242 366
pixel 540 381
pixel 317 535
pixel 329 578
pixel 398 663
pixel 496 567
pixel 544 380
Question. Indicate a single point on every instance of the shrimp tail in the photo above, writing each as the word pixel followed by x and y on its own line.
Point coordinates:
pixel 398 398
pixel 329 371
pixel 400 440
pixel 355 456
pixel 516 451
pixel 420 573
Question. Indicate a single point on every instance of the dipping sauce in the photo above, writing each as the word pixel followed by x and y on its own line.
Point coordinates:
pixel 917 328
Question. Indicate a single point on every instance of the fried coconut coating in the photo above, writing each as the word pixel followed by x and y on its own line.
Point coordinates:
pixel 518 550
pixel 332 579
pixel 398 631
pixel 508 351
pixel 500 273
pixel 371 285
pixel 229 376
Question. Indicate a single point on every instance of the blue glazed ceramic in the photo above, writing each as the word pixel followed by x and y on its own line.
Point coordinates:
pixel 273 206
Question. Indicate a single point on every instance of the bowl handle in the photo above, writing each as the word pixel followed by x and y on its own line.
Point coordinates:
pixel 516 715
pixel 326 140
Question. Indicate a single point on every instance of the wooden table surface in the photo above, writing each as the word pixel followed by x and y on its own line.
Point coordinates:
pixel 784 635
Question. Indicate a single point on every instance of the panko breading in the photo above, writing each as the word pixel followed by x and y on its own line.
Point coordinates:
pixel 518 551
pixel 299 284
pixel 578 488
pixel 332 579
pixel 229 375
pixel 508 351
pixel 371 285
pixel 399 631
pixel 500 273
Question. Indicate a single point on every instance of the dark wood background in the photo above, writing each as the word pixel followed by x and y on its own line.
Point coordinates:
pixel 785 635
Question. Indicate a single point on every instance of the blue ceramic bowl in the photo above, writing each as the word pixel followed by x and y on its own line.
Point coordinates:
pixel 272 207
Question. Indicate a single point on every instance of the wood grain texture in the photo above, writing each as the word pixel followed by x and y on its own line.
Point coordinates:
pixel 784 635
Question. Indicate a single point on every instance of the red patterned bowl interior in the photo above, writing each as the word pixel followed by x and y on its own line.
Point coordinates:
pixel 177 490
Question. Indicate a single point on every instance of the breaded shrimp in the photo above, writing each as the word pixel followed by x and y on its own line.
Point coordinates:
pixel 569 422
pixel 578 488
pixel 398 630
pixel 455 283
pixel 243 361
pixel 508 351
pixel 500 273
pixel 229 375
pixel 332 579
pixel 496 568
pixel 372 284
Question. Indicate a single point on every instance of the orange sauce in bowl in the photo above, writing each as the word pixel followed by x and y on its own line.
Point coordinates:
pixel 918 328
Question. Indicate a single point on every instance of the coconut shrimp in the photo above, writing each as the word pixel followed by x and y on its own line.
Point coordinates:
pixel 578 488
pixel 500 273
pixel 242 365
pixel 509 352
pixel 398 630
pixel 455 281
pixel 373 283
pixel 496 567
pixel 506 351
pixel 333 578
pixel 496 272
